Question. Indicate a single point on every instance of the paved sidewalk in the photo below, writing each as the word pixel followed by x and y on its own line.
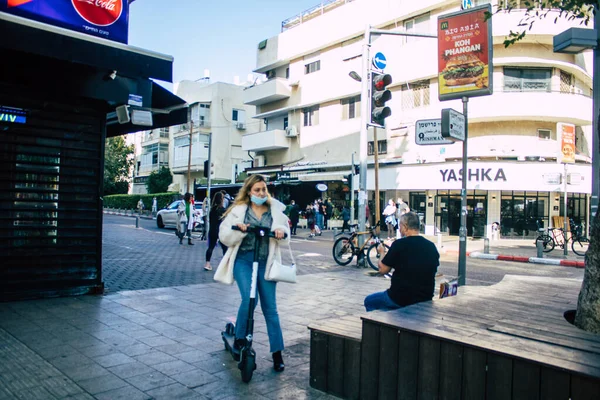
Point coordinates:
pixel 165 343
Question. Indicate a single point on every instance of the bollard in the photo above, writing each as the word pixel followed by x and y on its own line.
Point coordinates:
pixel 486 246
pixel 539 245
pixel 439 241
pixel 137 221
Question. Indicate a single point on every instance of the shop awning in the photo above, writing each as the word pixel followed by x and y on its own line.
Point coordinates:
pixel 58 60
pixel 322 176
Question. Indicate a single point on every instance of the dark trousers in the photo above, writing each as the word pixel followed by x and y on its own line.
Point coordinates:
pixel 212 242
pixel 294 227
pixel 345 226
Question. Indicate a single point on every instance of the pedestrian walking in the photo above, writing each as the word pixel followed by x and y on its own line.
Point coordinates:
pixel 253 206
pixel 293 213
pixel 309 214
pixel 401 209
pixel 140 206
pixel 185 211
pixel 154 206
pixel 389 215
pixel 216 215
pixel 345 218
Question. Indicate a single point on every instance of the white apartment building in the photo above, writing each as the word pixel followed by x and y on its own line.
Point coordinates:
pixel 217 110
pixel 311 108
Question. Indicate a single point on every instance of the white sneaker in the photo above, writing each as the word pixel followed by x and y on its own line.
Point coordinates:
pixel 207 267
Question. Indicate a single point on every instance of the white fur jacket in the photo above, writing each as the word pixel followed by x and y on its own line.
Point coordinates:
pixel 233 239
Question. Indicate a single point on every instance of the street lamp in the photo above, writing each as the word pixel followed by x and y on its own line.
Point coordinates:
pixel 573 41
pixel 354 75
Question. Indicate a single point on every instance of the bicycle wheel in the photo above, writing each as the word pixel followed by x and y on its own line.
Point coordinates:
pixel 343 251
pixel 547 242
pixel 580 246
pixel 373 255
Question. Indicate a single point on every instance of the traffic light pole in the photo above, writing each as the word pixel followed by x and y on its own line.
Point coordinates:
pixel 206 203
pixel 363 139
pixel 462 231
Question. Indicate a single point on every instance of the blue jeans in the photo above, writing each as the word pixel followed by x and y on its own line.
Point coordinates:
pixel 380 301
pixel 320 220
pixel 266 291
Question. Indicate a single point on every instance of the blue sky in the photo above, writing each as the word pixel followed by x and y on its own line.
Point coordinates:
pixel 221 35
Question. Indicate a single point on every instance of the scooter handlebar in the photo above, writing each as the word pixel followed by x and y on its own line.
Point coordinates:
pixel 258 230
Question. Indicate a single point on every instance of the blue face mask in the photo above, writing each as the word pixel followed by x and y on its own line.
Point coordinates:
pixel 259 201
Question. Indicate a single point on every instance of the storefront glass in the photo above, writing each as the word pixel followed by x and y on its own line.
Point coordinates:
pixel 418 204
pixel 520 211
pixel 447 212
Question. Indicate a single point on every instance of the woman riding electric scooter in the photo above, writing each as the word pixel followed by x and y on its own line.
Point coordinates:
pixel 253 207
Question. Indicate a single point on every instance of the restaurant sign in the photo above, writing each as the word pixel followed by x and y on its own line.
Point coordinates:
pixel 465 50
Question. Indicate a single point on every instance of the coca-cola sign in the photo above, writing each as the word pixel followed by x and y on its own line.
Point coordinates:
pixel 106 19
pixel 99 12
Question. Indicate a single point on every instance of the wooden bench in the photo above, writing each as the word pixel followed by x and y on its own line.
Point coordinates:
pixel 335 356
pixel 506 341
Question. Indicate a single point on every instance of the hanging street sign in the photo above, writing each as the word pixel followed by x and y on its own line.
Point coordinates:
pixel 379 61
pixel 429 131
pixel 453 125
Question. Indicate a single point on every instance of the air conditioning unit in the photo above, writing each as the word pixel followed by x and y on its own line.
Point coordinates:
pixel 240 125
pixel 259 161
pixel 291 131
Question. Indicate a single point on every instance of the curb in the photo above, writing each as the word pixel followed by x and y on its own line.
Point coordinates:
pixel 533 260
pixel 127 215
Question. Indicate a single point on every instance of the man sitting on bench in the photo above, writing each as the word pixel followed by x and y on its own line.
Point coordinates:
pixel 414 260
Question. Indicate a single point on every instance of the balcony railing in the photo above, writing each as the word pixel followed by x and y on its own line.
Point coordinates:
pixel 311 13
pixel 274 139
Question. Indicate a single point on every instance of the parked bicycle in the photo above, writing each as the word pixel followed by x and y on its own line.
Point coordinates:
pixel 556 237
pixel 346 248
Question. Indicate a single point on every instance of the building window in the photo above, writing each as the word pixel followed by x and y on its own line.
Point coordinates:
pixel 312 67
pixel 238 116
pixel 520 211
pixel 234 115
pixel 164 132
pixel 285 123
pixel 544 134
pixel 566 82
pixel 311 116
pixel 416 94
pixel 418 24
pixel 381 147
pixel 351 107
pixel 527 79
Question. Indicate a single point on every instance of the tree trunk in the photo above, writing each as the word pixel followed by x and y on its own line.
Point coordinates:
pixel 588 306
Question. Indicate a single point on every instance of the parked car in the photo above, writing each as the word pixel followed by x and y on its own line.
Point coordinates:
pixel 167 217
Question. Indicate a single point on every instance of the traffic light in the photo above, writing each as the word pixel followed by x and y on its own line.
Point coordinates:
pixel 205 172
pixel 379 95
pixel 356 169
pixel 348 179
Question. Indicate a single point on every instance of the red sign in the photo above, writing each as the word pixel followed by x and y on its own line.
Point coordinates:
pixel 567 142
pixel 99 12
pixel 465 54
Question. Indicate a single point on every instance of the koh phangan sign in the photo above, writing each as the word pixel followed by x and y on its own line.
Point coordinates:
pixel 465 54
pixel 106 19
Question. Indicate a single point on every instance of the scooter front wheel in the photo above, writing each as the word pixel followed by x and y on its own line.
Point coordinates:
pixel 247 365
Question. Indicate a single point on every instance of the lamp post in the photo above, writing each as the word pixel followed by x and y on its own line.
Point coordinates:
pixel 574 41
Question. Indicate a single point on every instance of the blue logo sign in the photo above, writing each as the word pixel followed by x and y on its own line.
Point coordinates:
pixel 379 61
pixel 13 115
pixel 467 4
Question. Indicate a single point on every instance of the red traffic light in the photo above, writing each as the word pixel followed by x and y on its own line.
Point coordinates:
pixel 380 81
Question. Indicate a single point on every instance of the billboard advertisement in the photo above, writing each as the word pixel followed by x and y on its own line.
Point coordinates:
pixel 107 19
pixel 465 51
pixel 566 134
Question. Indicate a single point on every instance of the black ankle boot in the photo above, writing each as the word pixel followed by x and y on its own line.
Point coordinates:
pixel 278 364
pixel 190 242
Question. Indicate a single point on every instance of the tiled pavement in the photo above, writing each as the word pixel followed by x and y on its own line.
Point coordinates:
pixel 164 343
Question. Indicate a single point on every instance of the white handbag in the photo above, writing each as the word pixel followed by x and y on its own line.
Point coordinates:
pixel 282 273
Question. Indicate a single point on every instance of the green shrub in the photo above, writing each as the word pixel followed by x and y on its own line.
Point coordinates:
pixel 129 201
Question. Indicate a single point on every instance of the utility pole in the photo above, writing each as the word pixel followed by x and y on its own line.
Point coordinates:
pixel 189 169
pixel 208 179
pixel 351 184
pixel 376 161
pixel 363 138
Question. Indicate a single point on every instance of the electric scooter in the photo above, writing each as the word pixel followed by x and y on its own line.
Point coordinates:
pixel 246 355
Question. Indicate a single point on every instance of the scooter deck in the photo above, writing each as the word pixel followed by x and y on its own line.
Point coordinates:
pixel 228 341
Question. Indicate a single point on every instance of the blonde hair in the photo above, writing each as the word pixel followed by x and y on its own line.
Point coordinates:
pixel 243 196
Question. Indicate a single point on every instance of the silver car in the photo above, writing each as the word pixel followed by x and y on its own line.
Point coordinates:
pixel 167 217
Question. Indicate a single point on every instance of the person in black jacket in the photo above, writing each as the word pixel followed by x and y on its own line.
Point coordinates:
pixel 216 214
pixel 294 216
